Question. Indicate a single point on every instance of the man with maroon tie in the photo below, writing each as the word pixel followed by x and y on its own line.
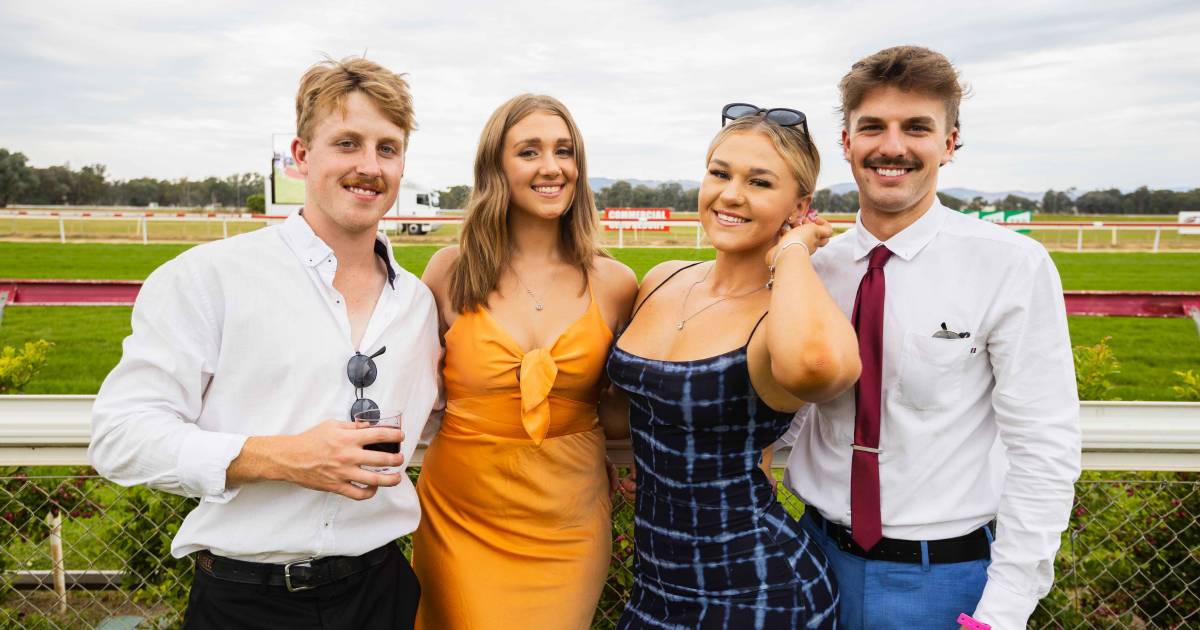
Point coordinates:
pixel 942 482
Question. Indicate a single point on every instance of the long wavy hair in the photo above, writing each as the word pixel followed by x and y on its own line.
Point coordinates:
pixel 485 243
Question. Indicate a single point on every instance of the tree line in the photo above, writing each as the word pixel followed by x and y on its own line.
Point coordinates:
pixel 90 186
pixel 622 194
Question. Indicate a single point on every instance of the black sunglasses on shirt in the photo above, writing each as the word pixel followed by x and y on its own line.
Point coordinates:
pixel 362 371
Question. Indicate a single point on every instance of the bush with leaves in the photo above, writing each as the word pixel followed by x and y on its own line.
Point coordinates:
pixel 18 367
pixel 1188 388
pixel 26 503
pixel 150 522
pixel 256 204
pixel 1094 365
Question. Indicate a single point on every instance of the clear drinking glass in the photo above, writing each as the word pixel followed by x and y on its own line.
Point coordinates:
pixel 382 418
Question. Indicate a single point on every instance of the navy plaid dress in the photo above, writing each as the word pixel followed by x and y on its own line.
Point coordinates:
pixel 715 549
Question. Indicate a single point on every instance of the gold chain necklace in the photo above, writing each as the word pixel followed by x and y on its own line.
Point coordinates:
pixel 683 307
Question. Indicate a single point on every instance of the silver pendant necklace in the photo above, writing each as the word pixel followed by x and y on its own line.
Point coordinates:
pixel 537 302
pixel 682 321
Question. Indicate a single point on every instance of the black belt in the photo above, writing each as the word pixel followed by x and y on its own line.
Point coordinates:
pixel 301 575
pixel 972 546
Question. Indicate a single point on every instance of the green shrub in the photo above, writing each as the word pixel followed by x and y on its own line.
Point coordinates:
pixel 26 501
pixel 1094 365
pixel 17 368
pixel 1189 387
pixel 151 520
pixel 256 204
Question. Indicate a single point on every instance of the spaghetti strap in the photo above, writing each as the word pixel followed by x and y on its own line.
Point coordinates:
pixel 660 284
pixel 760 320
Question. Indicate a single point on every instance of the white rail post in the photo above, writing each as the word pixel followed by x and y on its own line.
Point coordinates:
pixel 145 231
pixel 1114 237
pixel 1157 236
pixel 62 230
pixel 698 234
pixel 620 235
pixel 224 227
pixel 56 559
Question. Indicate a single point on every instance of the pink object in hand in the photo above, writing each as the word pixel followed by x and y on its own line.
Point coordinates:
pixel 966 621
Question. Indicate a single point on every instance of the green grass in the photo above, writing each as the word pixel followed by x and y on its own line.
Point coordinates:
pixel 87 339
pixel 87 343
pixel 1150 351
pixel 1133 271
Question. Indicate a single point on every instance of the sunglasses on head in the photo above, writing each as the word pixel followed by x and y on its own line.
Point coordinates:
pixel 781 116
pixel 361 371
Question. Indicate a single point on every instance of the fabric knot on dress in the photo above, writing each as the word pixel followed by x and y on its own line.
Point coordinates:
pixel 538 371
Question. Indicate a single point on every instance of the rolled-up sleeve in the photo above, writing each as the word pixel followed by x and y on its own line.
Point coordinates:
pixel 1037 411
pixel 144 427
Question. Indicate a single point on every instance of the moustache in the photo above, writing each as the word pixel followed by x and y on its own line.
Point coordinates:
pixel 893 162
pixel 360 181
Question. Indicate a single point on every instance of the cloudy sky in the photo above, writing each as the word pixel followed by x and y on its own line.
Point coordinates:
pixel 1082 94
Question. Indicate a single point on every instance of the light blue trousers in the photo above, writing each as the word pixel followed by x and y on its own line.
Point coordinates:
pixel 881 595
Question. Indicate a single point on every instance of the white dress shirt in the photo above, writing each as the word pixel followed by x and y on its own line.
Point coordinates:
pixel 973 428
pixel 247 336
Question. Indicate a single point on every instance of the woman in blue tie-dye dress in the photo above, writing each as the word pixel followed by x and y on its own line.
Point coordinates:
pixel 717 358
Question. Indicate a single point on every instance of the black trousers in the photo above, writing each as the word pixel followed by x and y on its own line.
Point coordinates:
pixel 381 597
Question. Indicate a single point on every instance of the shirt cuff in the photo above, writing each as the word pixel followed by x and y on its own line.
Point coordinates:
pixel 1003 609
pixel 203 461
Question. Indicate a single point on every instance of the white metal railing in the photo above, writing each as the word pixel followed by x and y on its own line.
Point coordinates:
pixel 55 431
pixel 141 219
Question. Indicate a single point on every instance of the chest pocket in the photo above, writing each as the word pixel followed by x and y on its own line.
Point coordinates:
pixel 931 371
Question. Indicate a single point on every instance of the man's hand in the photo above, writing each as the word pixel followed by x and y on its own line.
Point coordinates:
pixel 327 457
pixel 628 486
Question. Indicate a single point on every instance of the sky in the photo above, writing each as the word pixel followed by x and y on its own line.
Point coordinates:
pixel 1064 94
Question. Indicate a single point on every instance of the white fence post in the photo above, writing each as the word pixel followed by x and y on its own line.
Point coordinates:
pixel 1157 236
pixel 56 559
pixel 225 228
pixel 145 231
pixel 62 230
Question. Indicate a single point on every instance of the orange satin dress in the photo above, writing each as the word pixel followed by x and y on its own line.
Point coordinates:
pixel 515 527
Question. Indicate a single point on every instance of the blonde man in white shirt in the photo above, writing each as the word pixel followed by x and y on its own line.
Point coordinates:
pixel 249 356
pixel 940 485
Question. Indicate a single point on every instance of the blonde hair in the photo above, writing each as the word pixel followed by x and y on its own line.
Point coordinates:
pixel 326 84
pixel 792 144
pixel 484 242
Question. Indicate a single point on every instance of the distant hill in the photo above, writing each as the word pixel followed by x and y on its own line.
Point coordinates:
pixel 966 194
pixel 600 183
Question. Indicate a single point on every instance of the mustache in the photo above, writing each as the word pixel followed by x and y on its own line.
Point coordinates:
pixel 894 162
pixel 360 181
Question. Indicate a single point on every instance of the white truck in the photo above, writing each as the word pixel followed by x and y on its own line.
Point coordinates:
pixel 285 193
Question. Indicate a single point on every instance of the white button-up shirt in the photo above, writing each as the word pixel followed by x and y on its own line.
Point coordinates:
pixel 247 336
pixel 972 428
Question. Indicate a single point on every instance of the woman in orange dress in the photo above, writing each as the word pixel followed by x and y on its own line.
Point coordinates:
pixel 515 528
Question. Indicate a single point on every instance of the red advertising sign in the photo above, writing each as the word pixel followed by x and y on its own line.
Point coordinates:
pixel 643 219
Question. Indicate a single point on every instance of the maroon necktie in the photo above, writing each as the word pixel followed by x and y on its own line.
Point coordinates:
pixel 866 526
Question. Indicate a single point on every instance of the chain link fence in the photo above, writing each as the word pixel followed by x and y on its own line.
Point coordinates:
pixel 1129 559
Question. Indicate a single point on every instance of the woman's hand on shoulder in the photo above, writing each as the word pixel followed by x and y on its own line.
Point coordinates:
pixel 813 233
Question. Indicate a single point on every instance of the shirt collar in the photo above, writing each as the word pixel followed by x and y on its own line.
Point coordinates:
pixel 909 241
pixel 312 251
